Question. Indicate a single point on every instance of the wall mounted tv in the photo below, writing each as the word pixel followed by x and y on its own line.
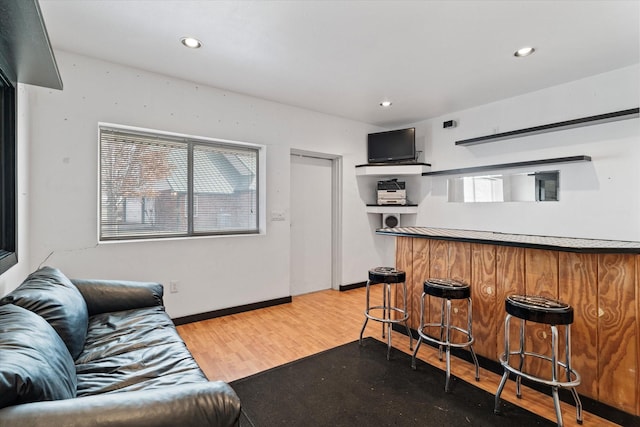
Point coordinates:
pixel 394 146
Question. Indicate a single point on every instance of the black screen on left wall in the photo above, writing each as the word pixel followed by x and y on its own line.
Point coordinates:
pixel 8 203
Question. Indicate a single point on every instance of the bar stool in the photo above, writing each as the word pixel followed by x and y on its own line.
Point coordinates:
pixel 552 312
pixel 388 276
pixel 446 290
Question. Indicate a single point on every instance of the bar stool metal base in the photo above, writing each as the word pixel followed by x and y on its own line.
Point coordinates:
pixel 387 276
pixel 446 290
pixel 553 313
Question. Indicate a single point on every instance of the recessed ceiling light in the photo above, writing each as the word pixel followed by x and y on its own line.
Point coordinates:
pixel 385 104
pixel 524 51
pixel 191 42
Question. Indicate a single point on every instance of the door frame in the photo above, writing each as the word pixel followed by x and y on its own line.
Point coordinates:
pixel 336 210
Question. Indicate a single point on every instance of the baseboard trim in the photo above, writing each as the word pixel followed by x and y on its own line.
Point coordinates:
pixel 352 286
pixel 593 406
pixel 231 310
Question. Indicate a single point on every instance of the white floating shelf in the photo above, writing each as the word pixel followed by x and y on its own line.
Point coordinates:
pixel 396 209
pixel 391 169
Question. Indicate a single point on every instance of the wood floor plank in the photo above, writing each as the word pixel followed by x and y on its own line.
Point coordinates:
pixel 232 347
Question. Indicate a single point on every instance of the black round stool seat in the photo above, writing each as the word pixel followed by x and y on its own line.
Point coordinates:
pixel 539 309
pixel 447 288
pixel 386 275
pixel 439 333
pixel 389 312
pixel 553 313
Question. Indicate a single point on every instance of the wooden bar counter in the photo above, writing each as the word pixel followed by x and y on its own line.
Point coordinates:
pixel 599 278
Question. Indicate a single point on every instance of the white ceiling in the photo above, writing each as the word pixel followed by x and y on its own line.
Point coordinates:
pixel 344 57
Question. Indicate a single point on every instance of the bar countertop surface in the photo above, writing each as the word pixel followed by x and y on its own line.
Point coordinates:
pixel 567 244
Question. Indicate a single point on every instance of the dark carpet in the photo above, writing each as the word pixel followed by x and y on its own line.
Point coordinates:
pixel 355 385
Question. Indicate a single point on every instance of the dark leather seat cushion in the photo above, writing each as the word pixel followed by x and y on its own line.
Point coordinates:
pixel 134 350
pixel 50 294
pixel 35 364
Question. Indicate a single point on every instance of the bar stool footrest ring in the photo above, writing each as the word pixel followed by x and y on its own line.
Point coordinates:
pixel 564 384
pixel 404 314
pixel 421 333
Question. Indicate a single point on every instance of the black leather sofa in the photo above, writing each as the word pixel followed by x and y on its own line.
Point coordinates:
pixel 100 353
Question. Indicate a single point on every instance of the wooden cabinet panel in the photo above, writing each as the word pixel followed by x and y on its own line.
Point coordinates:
pixel 404 257
pixel 459 257
pixel 637 288
pixel 439 268
pixel 483 295
pixel 617 333
pixel 404 262
pixel 421 263
pixel 541 278
pixel 541 273
pixel 578 287
pixel 459 261
pixel 510 270
pixel 439 259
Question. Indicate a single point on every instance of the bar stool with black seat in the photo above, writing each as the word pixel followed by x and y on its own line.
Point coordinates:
pixel 446 290
pixel 387 276
pixel 548 311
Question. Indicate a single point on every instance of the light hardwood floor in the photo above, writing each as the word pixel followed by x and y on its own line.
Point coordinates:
pixel 232 347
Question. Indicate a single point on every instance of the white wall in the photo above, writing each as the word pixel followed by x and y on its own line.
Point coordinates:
pixel 600 199
pixel 58 177
pixel 215 272
pixel 16 274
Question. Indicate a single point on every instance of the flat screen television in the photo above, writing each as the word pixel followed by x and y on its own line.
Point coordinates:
pixel 394 146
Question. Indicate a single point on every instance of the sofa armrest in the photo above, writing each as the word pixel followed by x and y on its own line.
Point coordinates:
pixel 105 296
pixel 200 404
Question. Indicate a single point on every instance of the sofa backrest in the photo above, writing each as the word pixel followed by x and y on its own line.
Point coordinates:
pixel 50 294
pixel 107 296
pixel 35 364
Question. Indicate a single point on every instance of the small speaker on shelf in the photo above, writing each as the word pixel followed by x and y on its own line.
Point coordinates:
pixel 390 220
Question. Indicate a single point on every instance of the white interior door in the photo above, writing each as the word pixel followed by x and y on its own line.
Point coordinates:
pixel 310 224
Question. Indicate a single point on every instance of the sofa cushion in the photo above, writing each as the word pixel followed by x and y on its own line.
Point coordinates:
pixel 134 350
pixel 50 294
pixel 35 364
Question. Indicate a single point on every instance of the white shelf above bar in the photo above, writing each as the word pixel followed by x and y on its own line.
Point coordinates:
pixel 392 169
pixel 530 163
pixel 396 209
pixel 631 113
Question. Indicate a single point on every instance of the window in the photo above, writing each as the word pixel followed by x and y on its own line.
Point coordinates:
pixel 8 235
pixel 155 185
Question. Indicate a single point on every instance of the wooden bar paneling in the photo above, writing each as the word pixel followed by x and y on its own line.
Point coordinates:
pixel 483 295
pixel 459 254
pixel 459 261
pixel 602 289
pixel 617 334
pixel 578 278
pixel 541 278
pixel 439 268
pixel 421 264
pixel 404 262
pixel 510 269
pixel 439 258
pixel 637 289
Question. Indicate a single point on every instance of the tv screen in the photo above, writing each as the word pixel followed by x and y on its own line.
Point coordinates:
pixel 392 146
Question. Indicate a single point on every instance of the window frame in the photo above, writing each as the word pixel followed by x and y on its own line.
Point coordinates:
pixel 191 142
pixel 8 171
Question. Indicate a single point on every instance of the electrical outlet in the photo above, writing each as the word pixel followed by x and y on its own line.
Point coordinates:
pixel 173 286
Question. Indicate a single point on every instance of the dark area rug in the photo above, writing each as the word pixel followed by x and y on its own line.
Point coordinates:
pixel 355 385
